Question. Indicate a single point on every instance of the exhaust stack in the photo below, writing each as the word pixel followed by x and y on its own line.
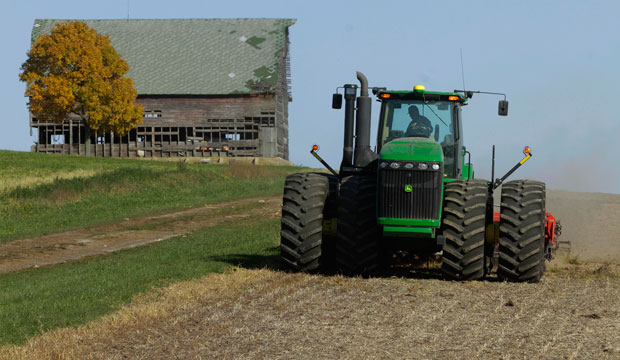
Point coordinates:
pixel 363 154
pixel 349 111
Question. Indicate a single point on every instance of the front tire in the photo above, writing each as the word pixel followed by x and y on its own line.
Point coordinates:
pixel 463 225
pixel 357 249
pixel 522 232
pixel 301 235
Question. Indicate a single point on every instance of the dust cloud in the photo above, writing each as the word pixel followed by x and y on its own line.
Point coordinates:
pixel 590 221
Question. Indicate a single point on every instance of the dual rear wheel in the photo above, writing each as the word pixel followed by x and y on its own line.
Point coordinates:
pixel 311 198
pixel 521 230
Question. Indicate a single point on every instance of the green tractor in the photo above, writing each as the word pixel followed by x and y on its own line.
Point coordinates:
pixel 415 194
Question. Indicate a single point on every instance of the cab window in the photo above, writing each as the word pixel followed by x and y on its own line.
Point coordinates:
pixel 417 118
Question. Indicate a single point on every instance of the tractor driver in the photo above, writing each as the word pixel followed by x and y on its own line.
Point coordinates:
pixel 420 126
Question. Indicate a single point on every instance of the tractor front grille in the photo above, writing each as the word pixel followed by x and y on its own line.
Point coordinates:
pixel 421 202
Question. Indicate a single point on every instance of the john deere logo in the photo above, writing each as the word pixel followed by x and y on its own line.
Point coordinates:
pixel 408 188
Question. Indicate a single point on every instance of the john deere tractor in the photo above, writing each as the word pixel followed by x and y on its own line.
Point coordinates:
pixel 416 193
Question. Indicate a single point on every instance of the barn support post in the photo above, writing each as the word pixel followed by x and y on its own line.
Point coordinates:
pixel 70 137
pixel 152 141
pixel 87 138
pixel 79 130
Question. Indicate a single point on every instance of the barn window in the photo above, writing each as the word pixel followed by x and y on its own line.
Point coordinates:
pixel 152 114
pixel 57 139
pixel 266 118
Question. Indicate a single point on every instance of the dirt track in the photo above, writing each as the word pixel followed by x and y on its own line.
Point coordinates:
pixel 77 244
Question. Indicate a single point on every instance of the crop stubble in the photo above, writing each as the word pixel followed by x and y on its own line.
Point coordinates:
pixel 269 314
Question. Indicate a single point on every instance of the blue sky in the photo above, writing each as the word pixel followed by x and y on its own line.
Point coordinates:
pixel 558 61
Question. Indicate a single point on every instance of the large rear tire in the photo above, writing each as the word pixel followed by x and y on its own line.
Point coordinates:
pixel 522 232
pixel 357 248
pixel 301 235
pixel 463 226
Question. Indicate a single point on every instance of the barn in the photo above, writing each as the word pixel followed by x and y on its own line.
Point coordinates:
pixel 209 87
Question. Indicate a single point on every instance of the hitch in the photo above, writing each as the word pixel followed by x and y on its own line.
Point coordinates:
pixel 319 158
pixel 528 154
pixel 553 244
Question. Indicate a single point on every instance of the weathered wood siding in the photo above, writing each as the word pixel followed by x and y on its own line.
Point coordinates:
pixel 181 126
pixel 195 110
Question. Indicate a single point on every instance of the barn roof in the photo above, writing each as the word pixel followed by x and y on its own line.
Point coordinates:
pixel 194 56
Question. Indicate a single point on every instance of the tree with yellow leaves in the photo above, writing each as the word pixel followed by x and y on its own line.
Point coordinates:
pixel 76 70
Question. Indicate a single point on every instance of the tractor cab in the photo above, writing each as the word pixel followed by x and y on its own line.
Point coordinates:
pixel 412 121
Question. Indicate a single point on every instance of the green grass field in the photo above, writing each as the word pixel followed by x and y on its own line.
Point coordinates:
pixel 71 294
pixel 42 193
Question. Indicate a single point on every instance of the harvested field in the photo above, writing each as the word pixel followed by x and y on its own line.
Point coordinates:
pixel 269 314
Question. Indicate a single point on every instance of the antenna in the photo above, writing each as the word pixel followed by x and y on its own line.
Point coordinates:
pixel 128 19
pixel 462 71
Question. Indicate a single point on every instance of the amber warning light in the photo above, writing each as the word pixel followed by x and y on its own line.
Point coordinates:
pixel 527 150
pixel 453 98
pixel 315 147
pixel 385 96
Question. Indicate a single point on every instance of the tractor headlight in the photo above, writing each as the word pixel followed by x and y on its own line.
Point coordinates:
pixel 423 166
pixel 383 164
pixel 395 165
pixel 409 166
pixel 435 166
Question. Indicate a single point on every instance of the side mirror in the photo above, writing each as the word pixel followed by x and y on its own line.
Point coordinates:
pixel 436 132
pixel 502 108
pixel 337 101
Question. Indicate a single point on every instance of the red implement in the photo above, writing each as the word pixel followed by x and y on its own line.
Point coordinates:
pixel 550 229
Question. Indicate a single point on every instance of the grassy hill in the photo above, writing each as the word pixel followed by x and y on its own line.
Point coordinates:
pixel 43 193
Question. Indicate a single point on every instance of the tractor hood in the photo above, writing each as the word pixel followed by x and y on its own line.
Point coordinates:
pixel 413 149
